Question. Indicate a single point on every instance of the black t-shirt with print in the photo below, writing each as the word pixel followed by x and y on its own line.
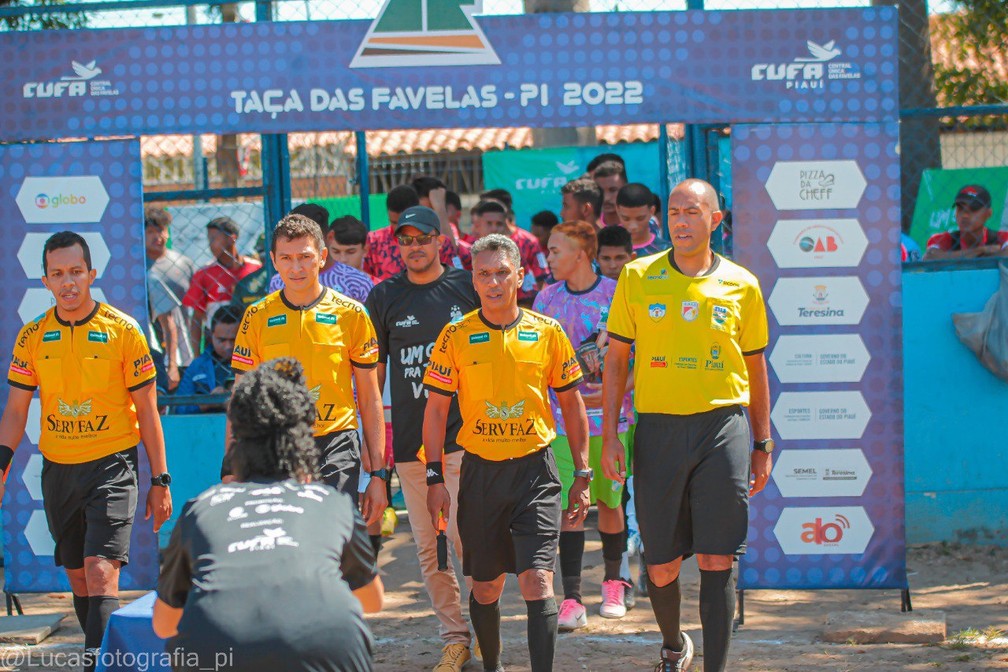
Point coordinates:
pixel 408 319
pixel 264 572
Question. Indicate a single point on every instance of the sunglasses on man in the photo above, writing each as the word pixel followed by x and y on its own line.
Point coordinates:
pixel 407 241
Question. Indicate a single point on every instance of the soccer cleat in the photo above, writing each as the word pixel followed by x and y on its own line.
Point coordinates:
pixel 453 658
pixel 612 599
pixel 676 661
pixel 572 616
pixel 629 594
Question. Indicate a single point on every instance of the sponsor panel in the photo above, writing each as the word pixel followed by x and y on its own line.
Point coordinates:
pixel 820 415
pixel 62 200
pixel 816 185
pixel 821 473
pixel 817 243
pixel 819 358
pixel 818 301
pixel 826 530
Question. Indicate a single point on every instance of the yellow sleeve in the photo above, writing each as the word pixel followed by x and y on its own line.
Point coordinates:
pixel 621 323
pixel 442 375
pixel 565 372
pixel 247 354
pixel 138 366
pixel 364 351
pixel 22 367
pixel 753 331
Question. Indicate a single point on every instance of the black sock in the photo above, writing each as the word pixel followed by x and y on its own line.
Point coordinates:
pixel 486 624
pixel 375 544
pixel 100 608
pixel 542 632
pixel 613 545
pixel 665 602
pixel 81 607
pixel 571 557
pixel 717 609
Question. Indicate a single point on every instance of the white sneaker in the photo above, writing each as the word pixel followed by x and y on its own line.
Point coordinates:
pixel 572 615
pixel 612 599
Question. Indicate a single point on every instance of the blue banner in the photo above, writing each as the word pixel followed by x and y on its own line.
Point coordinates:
pixel 817 220
pixel 94 189
pixel 409 71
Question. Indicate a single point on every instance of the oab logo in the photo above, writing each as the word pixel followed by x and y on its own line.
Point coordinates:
pixel 808 243
pixel 444 33
pixel 842 530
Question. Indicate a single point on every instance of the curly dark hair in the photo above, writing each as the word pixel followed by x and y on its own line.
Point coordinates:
pixel 271 414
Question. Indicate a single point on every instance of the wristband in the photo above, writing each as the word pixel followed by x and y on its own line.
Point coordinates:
pixel 6 455
pixel 434 473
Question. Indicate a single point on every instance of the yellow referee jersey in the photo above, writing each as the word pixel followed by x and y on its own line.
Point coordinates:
pixel 502 377
pixel 690 333
pixel 84 374
pixel 327 337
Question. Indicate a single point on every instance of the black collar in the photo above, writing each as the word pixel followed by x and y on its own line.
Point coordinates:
pixel 309 306
pixel 87 319
pixel 521 314
pixel 709 271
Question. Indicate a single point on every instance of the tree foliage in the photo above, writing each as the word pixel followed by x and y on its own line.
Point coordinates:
pixel 41 21
pixel 975 65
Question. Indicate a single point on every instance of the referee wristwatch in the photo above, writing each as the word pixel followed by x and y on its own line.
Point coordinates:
pixel 381 473
pixel 164 480
pixel 587 474
pixel 764 446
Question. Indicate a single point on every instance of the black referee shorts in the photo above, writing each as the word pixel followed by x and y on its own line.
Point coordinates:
pixel 339 464
pixel 691 483
pixel 508 515
pixel 90 507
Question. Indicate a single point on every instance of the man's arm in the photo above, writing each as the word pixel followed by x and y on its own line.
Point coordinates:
pixel 159 501
pixel 165 619
pixel 369 402
pixel 759 417
pixel 12 424
pixel 576 422
pixel 371 596
pixel 614 385
pixel 434 422
pixel 171 336
pixel 196 329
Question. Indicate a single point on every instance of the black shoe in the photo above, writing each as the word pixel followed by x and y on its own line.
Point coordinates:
pixel 629 594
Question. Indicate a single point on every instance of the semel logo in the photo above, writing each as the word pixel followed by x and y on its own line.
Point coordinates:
pixel 824 530
pixel 409 34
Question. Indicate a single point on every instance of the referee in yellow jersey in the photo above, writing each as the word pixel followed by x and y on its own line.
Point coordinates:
pixel 699 326
pixel 502 359
pixel 95 377
pixel 332 337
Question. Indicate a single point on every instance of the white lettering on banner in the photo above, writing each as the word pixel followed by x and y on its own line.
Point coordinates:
pixel 62 200
pixel 31 251
pixel 819 358
pixel 81 83
pixel 821 473
pixel 817 243
pixel 820 415
pixel 818 300
pixel 840 530
pixel 806 73
pixel 815 185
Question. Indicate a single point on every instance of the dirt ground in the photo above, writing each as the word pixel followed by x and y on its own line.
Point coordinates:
pixel 781 631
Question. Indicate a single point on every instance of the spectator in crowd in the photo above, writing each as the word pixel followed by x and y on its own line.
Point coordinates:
pixel 383 260
pixel 605 157
pixel 281 586
pixel 347 242
pixel 909 250
pixel 490 216
pixel 542 223
pixel 581 200
pixel 255 285
pixel 169 275
pixel 972 238
pixel 532 257
pixel 453 204
pixel 635 207
pixel 615 250
pixel 610 176
pixel 213 285
pixel 211 373
pixel 344 278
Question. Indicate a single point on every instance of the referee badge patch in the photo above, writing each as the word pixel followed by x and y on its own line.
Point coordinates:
pixel 720 318
pixel 690 310
pixel 656 311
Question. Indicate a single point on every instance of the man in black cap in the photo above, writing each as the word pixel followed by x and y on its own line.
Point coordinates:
pixel 972 239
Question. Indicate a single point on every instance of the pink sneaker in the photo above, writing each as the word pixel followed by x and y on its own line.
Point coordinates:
pixel 612 599
pixel 572 616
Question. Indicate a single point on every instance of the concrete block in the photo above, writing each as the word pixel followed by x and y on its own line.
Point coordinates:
pixel 28 629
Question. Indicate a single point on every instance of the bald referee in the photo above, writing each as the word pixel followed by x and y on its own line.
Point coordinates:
pixel 502 360
pixel 699 326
